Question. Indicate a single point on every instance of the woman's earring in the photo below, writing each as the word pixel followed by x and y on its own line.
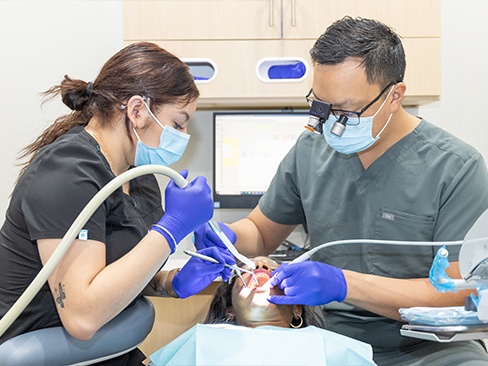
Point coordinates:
pixel 229 317
pixel 296 320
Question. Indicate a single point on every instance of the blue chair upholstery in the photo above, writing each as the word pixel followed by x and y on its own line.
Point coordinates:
pixel 54 346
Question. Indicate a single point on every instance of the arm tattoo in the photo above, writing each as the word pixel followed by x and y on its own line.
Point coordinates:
pixel 160 291
pixel 60 295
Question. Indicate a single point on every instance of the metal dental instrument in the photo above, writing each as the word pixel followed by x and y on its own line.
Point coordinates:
pixel 217 230
pixel 237 270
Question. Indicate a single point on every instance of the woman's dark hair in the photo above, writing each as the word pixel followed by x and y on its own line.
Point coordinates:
pixel 377 46
pixel 142 68
pixel 222 300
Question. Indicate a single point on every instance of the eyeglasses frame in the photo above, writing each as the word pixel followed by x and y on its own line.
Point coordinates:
pixel 338 112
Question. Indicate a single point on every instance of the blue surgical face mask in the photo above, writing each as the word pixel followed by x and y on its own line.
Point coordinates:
pixel 172 145
pixel 357 136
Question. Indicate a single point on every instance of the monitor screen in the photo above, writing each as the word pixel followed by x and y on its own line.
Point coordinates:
pixel 248 148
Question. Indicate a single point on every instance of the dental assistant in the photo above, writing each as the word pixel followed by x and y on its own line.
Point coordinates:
pixel 135 112
pixel 392 176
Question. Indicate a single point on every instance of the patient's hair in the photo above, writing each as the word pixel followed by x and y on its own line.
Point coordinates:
pixel 217 313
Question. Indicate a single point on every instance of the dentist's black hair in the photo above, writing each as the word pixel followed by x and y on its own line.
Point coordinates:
pixel 376 45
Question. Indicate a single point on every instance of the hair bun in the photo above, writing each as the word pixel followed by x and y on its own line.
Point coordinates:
pixel 76 93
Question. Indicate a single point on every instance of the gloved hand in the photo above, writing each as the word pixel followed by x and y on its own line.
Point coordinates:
pixel 197 273
pixel 309 283
pixel 186 209
pixel 205 237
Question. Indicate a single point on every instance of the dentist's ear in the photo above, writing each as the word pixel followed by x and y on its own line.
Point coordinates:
pixel 397 96
pixel 136 111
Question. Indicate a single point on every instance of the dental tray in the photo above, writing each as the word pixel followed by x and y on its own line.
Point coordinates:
pixel 440 316
pixel 445 334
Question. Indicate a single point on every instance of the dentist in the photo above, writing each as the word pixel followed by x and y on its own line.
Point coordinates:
pixel 390 175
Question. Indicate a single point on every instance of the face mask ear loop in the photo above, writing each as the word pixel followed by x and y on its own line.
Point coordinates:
pixel 382 104
pixel 124 106
pixel 137 135
pixel 379 109
pixel 386 124
pixel 152 115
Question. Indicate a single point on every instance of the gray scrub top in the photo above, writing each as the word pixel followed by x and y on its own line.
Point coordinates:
pixel 429 186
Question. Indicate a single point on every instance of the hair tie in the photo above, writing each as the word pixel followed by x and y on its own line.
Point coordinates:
pixel 89 89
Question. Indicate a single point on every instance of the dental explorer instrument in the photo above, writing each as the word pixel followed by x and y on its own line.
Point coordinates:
pixel 234 267
pixel 217 230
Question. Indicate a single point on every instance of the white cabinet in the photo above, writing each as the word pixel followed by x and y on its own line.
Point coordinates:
pixel 237 34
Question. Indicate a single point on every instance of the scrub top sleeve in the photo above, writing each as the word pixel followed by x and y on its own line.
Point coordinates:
pixel 463 201
pixel 281 203
pixel 58 194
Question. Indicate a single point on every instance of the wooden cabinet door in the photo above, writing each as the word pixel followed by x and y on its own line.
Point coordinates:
pixel 409 18
pixel 201 19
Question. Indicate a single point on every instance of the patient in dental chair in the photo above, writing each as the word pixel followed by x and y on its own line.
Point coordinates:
pixel 242 327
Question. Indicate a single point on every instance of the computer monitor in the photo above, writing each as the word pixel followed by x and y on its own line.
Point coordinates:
pixel 248 147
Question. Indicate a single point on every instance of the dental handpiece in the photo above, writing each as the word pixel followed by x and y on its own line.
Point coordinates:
pixel 217 230
pixel 182 183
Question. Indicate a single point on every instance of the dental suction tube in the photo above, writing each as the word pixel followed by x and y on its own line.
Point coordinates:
pixel 75 229
pixel 308 255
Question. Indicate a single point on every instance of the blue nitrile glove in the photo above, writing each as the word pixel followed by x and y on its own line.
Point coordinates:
pixel 205 237
pixel 197 273
pixel 309 283
pixel 186 209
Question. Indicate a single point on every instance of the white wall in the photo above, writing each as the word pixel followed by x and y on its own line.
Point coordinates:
pixel 463 108
pixel 40 41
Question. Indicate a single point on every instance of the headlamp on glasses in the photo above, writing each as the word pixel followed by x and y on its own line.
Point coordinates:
pixel 319 112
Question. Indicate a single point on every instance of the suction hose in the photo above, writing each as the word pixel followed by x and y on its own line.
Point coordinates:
pixel 308 255
pixel 74 230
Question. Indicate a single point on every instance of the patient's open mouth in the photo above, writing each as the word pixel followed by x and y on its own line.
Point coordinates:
pixel 261 275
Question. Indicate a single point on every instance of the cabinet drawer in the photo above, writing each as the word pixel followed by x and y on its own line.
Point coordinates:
pixel 236 82
pixel 237 85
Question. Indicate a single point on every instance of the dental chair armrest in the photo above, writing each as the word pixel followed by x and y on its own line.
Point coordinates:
pixel 54 346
